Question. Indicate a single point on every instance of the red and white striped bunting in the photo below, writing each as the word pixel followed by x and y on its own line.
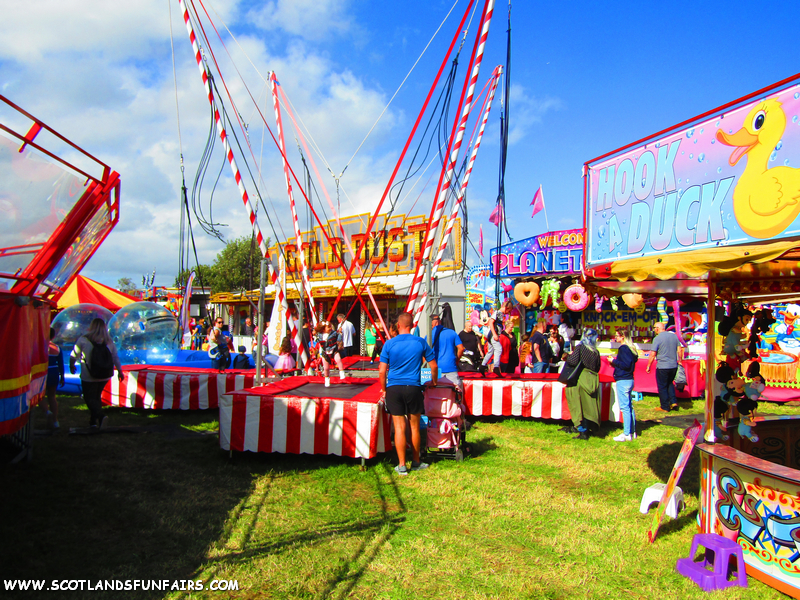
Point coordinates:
pixel 166 388
pixel 529 398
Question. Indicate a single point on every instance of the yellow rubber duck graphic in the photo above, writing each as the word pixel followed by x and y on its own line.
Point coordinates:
pixel 765 201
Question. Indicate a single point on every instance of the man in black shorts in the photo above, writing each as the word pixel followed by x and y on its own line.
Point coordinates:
pixel 399 373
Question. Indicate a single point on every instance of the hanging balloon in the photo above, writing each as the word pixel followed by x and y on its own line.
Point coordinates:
pixel 562 306
pixel 576 298
pixel 550 288
pixel 639 309
pixel 527 293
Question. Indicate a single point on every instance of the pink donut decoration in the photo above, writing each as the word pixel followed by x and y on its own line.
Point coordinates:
pixel 576 298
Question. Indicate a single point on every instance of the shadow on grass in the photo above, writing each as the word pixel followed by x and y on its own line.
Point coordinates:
pixel 662 460
pixel 672 526
pixel 124 507
pixel 374 531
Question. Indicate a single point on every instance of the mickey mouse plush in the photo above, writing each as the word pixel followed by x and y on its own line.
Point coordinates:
pixel 747 406
pixel 731 392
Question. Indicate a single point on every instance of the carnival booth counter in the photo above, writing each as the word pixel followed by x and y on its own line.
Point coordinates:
pixel 696 210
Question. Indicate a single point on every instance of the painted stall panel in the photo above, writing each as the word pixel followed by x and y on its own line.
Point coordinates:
pixel 757 505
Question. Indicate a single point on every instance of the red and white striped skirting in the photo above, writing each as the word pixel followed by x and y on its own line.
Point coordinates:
pixel 268 419
pixel 543 399
pixel 160 387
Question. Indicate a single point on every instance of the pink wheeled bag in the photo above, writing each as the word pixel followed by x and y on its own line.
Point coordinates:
pixel 446 425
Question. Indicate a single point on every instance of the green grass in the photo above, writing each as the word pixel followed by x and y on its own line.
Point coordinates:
pixel 534 514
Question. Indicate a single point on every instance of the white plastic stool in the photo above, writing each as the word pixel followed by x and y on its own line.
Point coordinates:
pixel 653 494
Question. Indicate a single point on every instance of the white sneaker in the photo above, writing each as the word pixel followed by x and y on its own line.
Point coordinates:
pixel 623 437
pixel 342 375
pixel 327 382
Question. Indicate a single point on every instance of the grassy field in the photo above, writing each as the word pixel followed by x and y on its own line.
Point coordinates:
pixel 533 514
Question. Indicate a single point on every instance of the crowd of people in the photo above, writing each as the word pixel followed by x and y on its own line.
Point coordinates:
pixel 402 356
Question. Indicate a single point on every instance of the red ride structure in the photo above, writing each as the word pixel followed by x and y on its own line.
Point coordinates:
pixel 54 214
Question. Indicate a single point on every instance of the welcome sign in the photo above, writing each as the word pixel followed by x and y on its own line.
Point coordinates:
pixel 553 253
pixel 730 179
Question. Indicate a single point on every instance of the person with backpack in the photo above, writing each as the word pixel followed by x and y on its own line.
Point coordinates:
pixel 98 357
pixel 447 345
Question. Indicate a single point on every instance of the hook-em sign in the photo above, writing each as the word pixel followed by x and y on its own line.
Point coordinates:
pixel 393 248
pixel 553 253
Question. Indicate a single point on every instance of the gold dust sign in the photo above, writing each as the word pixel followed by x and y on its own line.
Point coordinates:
pixel 393 248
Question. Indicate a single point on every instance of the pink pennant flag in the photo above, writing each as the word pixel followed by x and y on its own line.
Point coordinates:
pixel 497 215
pixel 480 242
pixel 537 202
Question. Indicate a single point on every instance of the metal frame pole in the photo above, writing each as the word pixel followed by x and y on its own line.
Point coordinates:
pixel 260 327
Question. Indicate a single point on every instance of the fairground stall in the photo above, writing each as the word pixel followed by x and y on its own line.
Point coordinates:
pixel 708 209
pixel 545 273
pixel 55 214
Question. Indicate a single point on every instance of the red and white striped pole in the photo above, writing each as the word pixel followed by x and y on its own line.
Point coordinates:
pixel 433 227
pixel 280 297
pixel 462 190
pixel 222 134
pixel 298 238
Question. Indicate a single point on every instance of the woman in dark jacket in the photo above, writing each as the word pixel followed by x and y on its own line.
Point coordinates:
pixel 583 397
pixel 624 365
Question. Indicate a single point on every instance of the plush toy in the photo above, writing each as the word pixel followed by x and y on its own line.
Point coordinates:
pixel 475 319
pixel 733 329
pixel 661 306
pixel 549 291
pixel 614 303
pixel 762 321
pixel 483 320
pixel 598 302
pixel 633 300
pixel 747 406
pixel 527 293
pixel 731 391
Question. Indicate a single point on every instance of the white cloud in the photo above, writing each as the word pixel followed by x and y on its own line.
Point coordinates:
pixel 528 110
pixel 102 76
pixel 309 19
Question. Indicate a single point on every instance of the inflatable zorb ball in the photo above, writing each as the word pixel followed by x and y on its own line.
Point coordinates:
pixel 71 323
pixel 145 333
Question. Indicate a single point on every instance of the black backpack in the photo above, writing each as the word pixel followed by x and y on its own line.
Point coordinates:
pixel 101 363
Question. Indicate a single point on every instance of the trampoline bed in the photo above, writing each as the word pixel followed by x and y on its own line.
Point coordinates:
pixel 360 363
pixel 299 415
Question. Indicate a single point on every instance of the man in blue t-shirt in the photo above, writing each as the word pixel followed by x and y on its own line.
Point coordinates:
pixel 448 348
pixel 400 375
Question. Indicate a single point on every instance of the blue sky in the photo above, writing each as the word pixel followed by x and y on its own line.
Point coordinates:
pixel 586 78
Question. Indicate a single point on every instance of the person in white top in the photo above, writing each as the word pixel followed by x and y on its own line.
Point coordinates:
pixel 348 333
pixel 92 384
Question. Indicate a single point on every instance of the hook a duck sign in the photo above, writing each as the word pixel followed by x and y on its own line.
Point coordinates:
pixel 730 179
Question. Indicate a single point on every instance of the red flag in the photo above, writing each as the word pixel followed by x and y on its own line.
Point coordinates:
pixel 497 215
pixel 480 243
pixel 537 202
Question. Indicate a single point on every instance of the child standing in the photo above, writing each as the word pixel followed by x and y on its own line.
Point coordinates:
pixel 329 349
pixel 285 361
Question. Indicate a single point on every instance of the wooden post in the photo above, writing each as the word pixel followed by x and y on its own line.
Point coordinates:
pixel 711 358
